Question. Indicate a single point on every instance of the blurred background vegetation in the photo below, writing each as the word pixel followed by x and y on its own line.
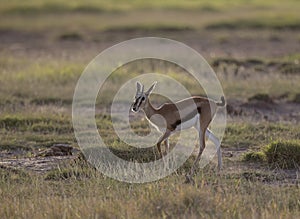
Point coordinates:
pixel 112 14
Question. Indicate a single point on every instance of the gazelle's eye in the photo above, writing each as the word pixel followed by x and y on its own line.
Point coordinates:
pixel 143 98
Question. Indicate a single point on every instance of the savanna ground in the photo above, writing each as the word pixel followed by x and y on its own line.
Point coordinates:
pixel 45 45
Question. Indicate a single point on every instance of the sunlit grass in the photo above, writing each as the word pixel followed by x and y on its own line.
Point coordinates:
pixel 35 6
pixel 106 15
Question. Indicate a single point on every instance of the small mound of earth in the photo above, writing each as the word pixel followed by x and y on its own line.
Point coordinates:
pixel 57 150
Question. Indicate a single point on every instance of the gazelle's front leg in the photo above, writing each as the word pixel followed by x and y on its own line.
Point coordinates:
pixel 165 136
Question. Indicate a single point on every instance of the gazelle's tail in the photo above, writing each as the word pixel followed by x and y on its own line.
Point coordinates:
pixel 222 103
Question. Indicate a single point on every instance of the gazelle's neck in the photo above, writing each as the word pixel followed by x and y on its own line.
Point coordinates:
pixel 149 109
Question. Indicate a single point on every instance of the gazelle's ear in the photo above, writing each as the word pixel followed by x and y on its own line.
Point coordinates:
pixel 149 91
pixel 139 87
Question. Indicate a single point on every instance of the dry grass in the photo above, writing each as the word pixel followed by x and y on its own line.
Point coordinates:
pixel 93 195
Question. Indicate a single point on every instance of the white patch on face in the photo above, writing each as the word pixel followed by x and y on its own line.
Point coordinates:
pixel 193 122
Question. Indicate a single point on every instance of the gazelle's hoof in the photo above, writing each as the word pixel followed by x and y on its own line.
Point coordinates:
pixel 189 180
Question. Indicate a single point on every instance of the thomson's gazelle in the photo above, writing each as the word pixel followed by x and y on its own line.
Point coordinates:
pixel 195 112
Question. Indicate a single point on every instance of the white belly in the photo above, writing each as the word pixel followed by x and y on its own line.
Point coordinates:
pixel 193 122
pixel 157 118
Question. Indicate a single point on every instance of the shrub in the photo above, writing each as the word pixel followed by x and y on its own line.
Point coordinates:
pixel 283 154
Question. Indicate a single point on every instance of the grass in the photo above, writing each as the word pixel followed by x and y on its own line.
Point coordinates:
pixel 89 194
pixel 70 36
pixel 253 156
pixel 283 154
pixel 253 136
pixel 261 97
pixel 296 98
pixel 77 190
pixel 278 154
pixel 63 75
pixel 35 6
pixel 276 23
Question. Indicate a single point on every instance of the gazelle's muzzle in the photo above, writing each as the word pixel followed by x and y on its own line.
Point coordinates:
pixel 133 107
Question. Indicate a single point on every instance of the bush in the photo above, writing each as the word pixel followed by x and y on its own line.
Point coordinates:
pixel 283 154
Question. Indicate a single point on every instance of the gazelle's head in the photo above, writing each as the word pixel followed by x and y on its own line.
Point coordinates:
pixel 141 97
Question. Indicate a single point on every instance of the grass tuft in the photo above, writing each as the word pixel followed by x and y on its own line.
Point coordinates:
pixel 274 23
pixel 153 27
pixel 296 98
pixel 50 101
pixel 71 36
pixel 279 154
pixel 283 154
pixel 261 97
pixel 13 175
pixel 253 156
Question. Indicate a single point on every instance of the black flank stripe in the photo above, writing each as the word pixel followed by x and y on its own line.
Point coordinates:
pixel 186 118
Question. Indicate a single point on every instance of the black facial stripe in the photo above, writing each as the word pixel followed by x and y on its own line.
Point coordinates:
pixel 140 101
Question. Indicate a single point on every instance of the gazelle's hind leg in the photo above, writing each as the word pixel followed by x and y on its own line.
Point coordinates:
pixel 167 145
pixel 189 177
pixel 202 128
pixel 217 143
pixel 215 140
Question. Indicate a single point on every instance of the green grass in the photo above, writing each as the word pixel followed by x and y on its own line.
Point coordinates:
pixel 276 23
pixel 253 136
pixel 63 75
pixel 253 156
pixel 283 154
pixel 278 154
